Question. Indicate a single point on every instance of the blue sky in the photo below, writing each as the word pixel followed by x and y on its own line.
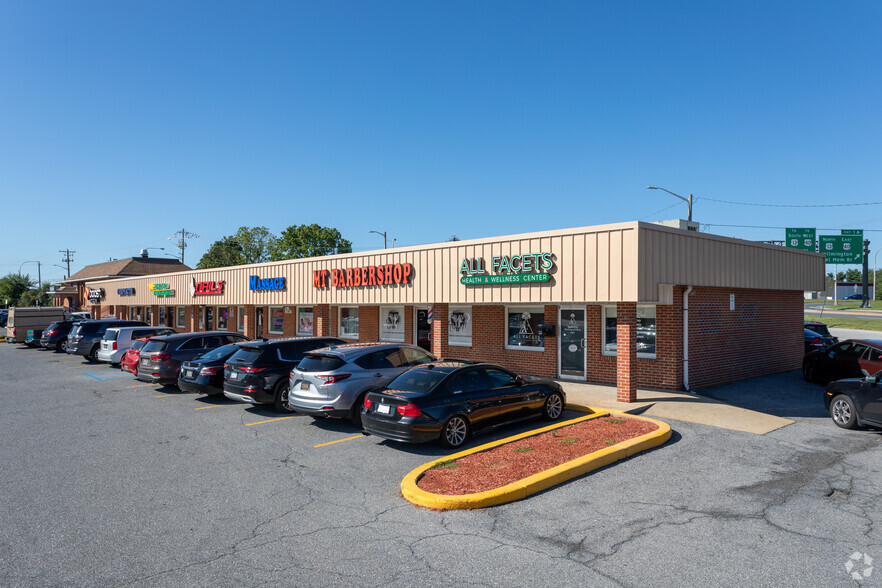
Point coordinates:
pixel 123 121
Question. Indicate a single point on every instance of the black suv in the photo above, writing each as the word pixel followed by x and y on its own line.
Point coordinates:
pixel 55 335
pixel 258 373
pixel 161 358
pixel 87 340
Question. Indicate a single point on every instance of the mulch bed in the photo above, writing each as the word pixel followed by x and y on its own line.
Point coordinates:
pixel 520 459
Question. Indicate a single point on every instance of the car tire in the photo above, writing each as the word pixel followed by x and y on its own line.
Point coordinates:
pixel 809 371
pixel 553 407
pixel 843 412
pixel 61 346
pixel 355 413
pixel 93 355
pixel 455 432
pixel 280 397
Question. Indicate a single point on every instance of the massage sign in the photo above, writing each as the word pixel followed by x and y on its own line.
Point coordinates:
pixel 504 269
pixel 360 277
pixel 206 288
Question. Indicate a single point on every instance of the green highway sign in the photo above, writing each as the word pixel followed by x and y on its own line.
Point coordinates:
pixel 853 232
pixel 801 239
pixel 504 279
pixel 847 249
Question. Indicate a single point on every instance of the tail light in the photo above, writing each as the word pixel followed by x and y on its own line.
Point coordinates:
pixel 334 379
pixel 160 357
pixel 411 410
pixel 252 370
pixel 817 341
pixel 209 371
pixel 114 345
pixel 367 402
pixel 14 332
pixel 49 333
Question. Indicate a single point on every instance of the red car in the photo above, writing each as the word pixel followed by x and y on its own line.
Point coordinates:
pixel 129 361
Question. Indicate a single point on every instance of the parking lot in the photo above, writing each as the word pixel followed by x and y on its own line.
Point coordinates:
pixel 108 481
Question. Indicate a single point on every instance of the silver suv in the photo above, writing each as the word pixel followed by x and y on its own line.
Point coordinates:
pixel 334 381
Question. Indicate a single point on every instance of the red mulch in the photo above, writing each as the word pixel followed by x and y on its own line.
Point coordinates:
pixel 520 459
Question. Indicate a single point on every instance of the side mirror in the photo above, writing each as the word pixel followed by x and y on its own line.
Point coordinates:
pixel 518 381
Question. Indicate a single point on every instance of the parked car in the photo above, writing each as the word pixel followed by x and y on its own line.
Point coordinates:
pixel 4 316
pixel 117 339
pixel 87 339
pixel 205 374
pixel 21 319
pixel 333 382
pixel 820 329
pixel 448 400
pixel 855 402
pixel 129 361
pixel 854 297
pixel 814 341
pixel 161 358
pixel 258 372
pixel 32 339
pixel 853 358
pixel 56 334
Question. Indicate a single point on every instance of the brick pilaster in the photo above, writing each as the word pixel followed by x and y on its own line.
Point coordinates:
pixel 626 351
pixel 440 316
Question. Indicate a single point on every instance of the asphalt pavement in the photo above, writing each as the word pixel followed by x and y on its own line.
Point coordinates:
pixel 109 482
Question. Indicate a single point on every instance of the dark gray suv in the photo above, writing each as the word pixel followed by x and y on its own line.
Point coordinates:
pixel 161 357
pixel 85 340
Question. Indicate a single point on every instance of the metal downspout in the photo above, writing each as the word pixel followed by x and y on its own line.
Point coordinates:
pixel 686 338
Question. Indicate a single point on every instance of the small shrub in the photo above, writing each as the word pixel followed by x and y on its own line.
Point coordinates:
pixel 615 421
pixel 523 449
pixel 445 465
pixel 569 440
pixel 610 441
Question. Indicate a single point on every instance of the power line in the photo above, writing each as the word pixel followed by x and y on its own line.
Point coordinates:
pixel 765 227
pixel 790 205
pixel 67 258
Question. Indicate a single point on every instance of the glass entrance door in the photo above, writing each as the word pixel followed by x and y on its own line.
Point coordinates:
pixel 423 329
pixel 258 314
pixel 572 342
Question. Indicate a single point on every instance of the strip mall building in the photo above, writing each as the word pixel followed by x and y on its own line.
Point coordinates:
pixel 631 304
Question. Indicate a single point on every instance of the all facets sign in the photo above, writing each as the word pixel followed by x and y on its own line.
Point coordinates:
pixel 504 269
pixel 260 284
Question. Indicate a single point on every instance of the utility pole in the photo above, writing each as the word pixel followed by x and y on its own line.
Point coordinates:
pixel 67 258
pixel 182 237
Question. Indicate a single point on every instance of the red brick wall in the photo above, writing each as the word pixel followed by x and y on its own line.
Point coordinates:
pixel 368 324
pixel 626 351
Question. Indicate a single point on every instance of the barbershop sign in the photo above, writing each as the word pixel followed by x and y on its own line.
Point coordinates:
pixel 360 277
pixel 504 269
pixel 96 294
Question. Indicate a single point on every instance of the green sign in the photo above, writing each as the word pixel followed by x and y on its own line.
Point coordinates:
pixel 852 232
pixel 801 239
pixel 160 290
pixel 847 249
pixel 504 279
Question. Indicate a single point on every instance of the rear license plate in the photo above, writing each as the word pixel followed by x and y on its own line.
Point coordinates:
pixel 234 376
pixel 384 409
pixel 188 373
pixel 304 385
pixel 145 361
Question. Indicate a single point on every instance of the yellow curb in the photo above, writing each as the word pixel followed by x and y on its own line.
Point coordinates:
pixel 537 482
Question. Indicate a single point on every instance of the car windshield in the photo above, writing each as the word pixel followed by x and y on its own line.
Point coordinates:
pixel 111 334
pixel 419 380
pixel 818 328
pixel 320 363
pixel 219 353
pixel 155 345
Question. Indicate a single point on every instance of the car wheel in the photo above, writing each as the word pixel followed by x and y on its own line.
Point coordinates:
pixel 809 371
pixel 843 413
pixel 355 414
pixel 455 432
pixel 280 397
pixel 61 346
pixel 93 355
pixel 553 407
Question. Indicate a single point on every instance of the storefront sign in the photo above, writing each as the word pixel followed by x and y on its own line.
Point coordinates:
pixel 126 291
pixel 370 275
pixel 160 290
pixel 96 294
pixel 515 269
pixel 206 288
pixel 256 283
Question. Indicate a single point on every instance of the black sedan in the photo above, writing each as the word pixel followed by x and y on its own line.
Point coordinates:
pixel 855 402
pixel 853 358
pixel 815 341
pixel 205 374
pixel 448 400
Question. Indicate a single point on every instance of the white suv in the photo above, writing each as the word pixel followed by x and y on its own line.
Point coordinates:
pixel 117 340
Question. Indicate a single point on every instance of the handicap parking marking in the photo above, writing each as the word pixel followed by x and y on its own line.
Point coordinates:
pixel 338 441
pixel 108 378
pixel 274 420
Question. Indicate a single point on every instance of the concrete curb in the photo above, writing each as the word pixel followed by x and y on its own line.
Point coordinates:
pixel 537 482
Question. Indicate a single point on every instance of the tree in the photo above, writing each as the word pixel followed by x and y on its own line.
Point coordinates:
pixel 12 286
pixel 36 297
pixel 222 253
pixel 309 241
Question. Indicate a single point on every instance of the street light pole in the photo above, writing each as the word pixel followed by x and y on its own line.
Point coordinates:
pixel 39 277
pixel 384 236
pixel 687 200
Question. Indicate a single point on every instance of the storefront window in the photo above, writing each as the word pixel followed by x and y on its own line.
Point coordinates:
pixel 182 318
pixel 523 328
pixel 148 313
pixel 277 320
pixel 240 313
pixel 392 324
pixel 163 318
pixel 645 331
pixel 201 312
pixel 223 316
pixel 459 326
pixel 349 322
pixel 304 321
